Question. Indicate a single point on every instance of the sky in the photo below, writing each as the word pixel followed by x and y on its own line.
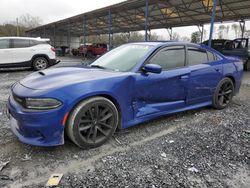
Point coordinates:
pixel 54 10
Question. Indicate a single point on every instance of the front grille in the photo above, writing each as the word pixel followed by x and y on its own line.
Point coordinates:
pixel 19 100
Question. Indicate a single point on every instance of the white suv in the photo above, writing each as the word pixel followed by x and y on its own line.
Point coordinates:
pixel 26 52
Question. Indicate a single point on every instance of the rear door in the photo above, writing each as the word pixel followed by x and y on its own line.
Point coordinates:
pixel 23 50
pixel 6 55
pixel 206 73
pixel 156 93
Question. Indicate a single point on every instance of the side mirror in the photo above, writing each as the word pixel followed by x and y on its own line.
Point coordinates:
pixel 153 68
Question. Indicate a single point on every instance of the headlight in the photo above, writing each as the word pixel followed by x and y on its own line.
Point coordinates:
pixel 41 103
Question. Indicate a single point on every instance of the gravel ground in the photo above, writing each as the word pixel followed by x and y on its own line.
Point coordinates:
pixel 199 148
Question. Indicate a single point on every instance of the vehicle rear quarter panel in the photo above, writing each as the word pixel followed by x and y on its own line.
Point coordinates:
pixel 233 68
pixel 44 49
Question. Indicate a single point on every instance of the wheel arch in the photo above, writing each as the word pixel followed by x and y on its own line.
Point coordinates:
pixel 232 78
pixel 40 55
pixel 105 95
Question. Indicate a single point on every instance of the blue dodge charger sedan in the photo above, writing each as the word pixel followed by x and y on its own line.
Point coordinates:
pixel 131 84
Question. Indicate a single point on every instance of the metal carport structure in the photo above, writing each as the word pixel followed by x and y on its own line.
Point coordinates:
pixel 137 15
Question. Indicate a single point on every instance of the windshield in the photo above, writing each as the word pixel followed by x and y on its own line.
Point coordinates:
pixel 122 58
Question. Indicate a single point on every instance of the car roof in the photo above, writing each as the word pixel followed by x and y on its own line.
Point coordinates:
pixel 170 42
pixel 27 38
pixel 158 44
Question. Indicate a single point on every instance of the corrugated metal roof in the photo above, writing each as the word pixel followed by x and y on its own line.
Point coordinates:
pixel 130 16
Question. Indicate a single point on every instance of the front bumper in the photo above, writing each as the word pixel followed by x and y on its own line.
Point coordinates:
pixel 40 128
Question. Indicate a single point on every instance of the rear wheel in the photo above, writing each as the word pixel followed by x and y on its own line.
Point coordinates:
pixel 40 63
pixel 247 65
pixel 90 54
pixel 223 94
pixel 92 122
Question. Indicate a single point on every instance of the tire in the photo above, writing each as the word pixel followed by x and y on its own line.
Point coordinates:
pixel 223 94
pixel 247 65
pixel 92 122
pixel 40 63
pixel 90 55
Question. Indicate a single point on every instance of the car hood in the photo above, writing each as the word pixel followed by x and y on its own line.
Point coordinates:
pixel 59 77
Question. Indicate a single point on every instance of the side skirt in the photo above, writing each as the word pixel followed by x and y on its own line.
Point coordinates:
pixel 157 115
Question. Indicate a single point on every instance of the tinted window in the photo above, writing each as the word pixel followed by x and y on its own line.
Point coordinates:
pixel 35 42
pixel 4 43
pixel 196 56
pixel 170 57
pixel 210 56
pixel 21 43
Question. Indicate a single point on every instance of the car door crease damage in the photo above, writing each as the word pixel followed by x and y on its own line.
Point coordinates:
pixel 131 84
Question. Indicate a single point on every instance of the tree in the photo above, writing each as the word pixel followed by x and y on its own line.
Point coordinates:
pixel 196 37
pixel 221 30
pixel 28 21
pixel 247 33
pixel 176 36
pixel 227 31
pixel 154 37
pixel 236 29
pixel 11 30
pixel 185 39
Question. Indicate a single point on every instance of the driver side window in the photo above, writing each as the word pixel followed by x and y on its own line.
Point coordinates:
pixel 170 57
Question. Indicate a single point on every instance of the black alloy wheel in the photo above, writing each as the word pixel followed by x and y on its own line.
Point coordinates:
pixel 223 94
pixel 92 122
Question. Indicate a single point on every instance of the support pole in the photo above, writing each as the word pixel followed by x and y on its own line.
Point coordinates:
pixel 44 33
pixel 54 35
pixel 84 29
pixel 202 32
pixel 128 39
pixel 201 29
pixel 110 28
pixel 146 21
pixel 242 27
pixel 212 23
pixel 170 32
pixel 69 35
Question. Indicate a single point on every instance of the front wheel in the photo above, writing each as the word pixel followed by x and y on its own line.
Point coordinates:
pixel 223 94
pixel 92 122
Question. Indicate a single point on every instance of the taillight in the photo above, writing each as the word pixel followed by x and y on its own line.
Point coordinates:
pixel 53 49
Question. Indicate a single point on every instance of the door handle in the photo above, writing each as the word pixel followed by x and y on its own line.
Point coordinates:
pixel 184 77
pixel 217 69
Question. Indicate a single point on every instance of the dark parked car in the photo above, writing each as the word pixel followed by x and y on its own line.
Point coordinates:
pixel 237 48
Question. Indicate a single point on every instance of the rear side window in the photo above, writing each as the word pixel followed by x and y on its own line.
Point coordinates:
pixel 210 56
pixel 20 43
pixel 197 56
pixel 35 42
pixel 4 43
pixel 170 57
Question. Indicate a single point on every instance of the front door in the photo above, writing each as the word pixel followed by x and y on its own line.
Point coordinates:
pixel 5 52
pixel 156 93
